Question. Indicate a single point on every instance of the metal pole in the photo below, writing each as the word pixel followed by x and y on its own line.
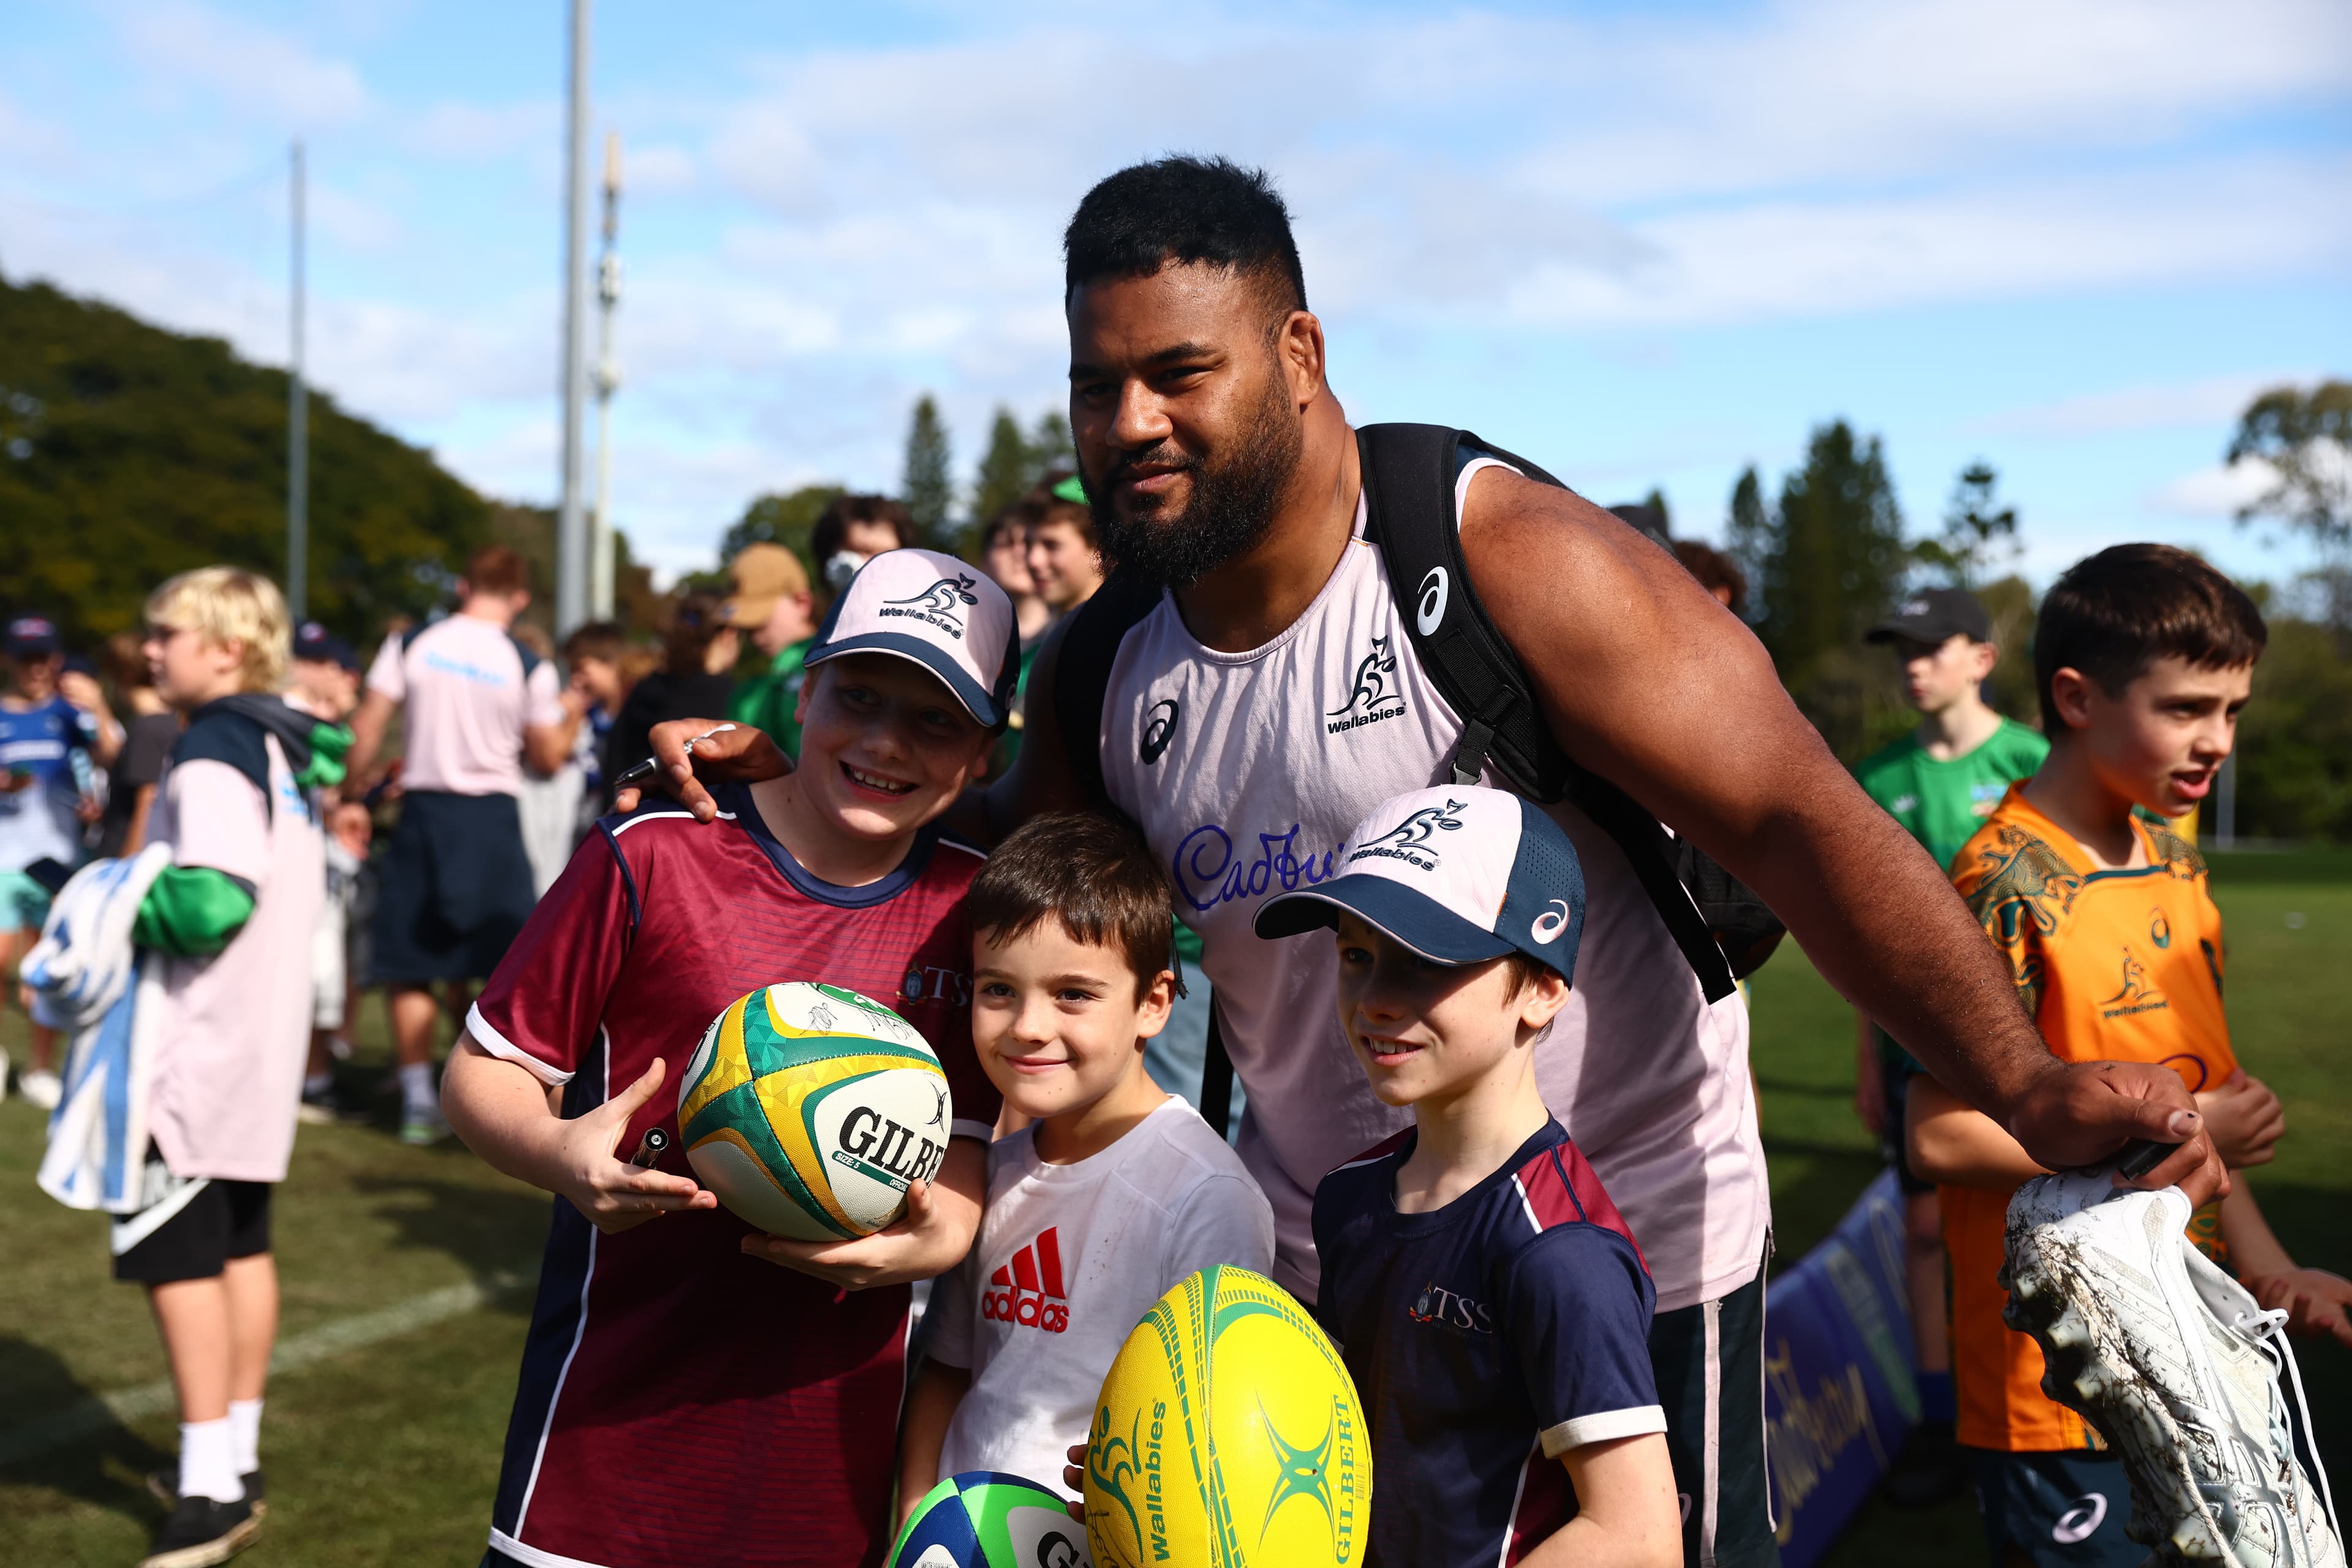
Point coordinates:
pixel 608 381
pixel 298 431
pixel 571 526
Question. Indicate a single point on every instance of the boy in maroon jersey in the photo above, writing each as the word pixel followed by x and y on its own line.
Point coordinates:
pixel 682 1399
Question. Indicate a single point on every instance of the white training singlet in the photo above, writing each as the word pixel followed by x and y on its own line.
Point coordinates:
pixel 1246 770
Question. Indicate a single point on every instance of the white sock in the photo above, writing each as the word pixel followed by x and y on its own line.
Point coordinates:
pixel 417 1095
pixel 317 1083
pixel 245 1420
pixel 209 1461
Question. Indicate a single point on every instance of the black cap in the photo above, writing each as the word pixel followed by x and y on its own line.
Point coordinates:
pixel 1935 615
pixel 32 636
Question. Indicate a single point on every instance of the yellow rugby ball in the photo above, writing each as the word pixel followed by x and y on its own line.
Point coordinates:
pixel 1228 1435
pixel 810 1109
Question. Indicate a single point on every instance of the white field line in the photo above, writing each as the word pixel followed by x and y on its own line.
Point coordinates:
pixel 93 1415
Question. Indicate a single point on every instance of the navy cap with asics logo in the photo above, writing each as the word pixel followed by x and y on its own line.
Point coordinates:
pixel 934 610
pixel 1459 874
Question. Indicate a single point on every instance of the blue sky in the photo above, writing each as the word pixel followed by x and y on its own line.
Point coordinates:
pixel 1647 245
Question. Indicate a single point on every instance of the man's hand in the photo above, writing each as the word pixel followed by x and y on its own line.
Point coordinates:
pixel 614 1194
pixel 2245 1119
pixel 2317 1302
pixel 739 752
pixel 2081 1113
pixel 1074 1476
pixel 929 1239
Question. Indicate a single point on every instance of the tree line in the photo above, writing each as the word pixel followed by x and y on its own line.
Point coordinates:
pixel 128 453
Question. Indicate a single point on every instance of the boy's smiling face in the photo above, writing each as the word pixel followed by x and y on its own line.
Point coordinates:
pixel 885 746
pixel 1055 1021
pixel 2159 742
pixel 1424 1030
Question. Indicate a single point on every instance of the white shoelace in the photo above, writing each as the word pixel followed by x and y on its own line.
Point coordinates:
pixel 2268 1332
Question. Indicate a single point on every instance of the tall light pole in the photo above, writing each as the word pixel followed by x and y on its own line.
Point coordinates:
pixel 608 381
pixel 571 524
pixel 297 429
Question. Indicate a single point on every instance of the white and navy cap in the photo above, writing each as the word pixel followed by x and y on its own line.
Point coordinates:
pixel 933 609
pixel 1459 874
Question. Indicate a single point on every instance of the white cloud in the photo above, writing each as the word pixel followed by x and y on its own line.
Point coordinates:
pixel 485 132
pixel 2211 400
pixel 252 70
pixel 2217 491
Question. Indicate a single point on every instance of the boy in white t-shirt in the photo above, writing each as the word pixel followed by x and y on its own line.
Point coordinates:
pixel 1117 1190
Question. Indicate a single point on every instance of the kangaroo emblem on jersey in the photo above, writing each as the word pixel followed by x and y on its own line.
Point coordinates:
pixel 1374 695
pixel 1159 729
pixel 938 603
pixel 1409 840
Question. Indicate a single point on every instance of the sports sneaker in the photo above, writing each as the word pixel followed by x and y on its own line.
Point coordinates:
pixel 40 1089
pixel 422 1129
pixel 201 1532
pixel 2174 1364
pixel 164 1486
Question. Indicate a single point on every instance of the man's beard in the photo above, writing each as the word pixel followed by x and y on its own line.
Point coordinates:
pixel 1232 507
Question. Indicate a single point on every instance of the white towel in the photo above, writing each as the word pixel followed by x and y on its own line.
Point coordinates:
pixel 90 977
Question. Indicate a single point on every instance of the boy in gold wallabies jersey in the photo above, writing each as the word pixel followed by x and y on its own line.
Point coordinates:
pixel 2144 657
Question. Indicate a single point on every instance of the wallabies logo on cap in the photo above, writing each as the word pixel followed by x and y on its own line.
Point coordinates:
pixel 938 603
pixel 1409 840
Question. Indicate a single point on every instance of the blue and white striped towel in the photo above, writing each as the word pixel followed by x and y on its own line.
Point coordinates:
pixel 90 978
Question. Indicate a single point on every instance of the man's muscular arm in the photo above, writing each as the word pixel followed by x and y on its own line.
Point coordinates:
pixel 1651 684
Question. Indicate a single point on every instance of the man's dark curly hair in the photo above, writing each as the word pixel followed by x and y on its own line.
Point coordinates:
pixel 1183 210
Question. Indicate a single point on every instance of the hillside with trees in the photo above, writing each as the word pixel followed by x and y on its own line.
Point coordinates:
pixel 128 452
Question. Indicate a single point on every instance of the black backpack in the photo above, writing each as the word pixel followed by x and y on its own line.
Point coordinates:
pixel 1723 928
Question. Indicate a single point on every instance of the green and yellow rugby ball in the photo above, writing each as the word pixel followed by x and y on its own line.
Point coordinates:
pixel 809 1110
pixel 1228 1435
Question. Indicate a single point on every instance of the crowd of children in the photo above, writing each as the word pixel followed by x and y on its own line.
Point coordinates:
pixel 1492 1303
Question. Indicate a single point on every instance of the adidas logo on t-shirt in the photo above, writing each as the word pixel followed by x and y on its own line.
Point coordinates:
pixel 1028 1290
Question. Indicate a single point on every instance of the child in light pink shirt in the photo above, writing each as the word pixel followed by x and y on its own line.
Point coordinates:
pixel 225 997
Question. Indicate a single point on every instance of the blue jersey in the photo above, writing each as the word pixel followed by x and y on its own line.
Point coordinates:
pixel 1487 1338
pixel 37 822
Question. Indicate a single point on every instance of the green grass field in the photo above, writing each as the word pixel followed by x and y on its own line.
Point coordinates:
pixel 387 1450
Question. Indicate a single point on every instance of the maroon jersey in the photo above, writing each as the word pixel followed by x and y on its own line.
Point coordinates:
pixel 680 1401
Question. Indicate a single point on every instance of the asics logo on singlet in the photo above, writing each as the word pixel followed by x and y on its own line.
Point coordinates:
pixel 1373 697
pixel 937 604
pixel 1431 610
pixel 1551 923
pixel 1159 729
pixel 1026 1291
pixel 1409 840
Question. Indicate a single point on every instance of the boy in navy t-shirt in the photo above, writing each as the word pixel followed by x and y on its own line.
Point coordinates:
pixel 1491 1304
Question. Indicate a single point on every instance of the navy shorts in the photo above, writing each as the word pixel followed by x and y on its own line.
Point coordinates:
pixel 1708 1361
pixel 2064 1509
pixel 455 888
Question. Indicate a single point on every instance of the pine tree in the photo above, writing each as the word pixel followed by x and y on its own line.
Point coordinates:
pixel 1051 447
pixel 929 488
pixel 1006 469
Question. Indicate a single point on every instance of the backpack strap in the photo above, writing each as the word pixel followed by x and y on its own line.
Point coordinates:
pixel 1082 675
pixel 1409 474
pixel 524 652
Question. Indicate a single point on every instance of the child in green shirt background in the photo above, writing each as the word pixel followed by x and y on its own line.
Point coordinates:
pixel 1939 782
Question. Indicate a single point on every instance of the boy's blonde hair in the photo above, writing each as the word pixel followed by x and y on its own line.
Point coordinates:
pixel 222 603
